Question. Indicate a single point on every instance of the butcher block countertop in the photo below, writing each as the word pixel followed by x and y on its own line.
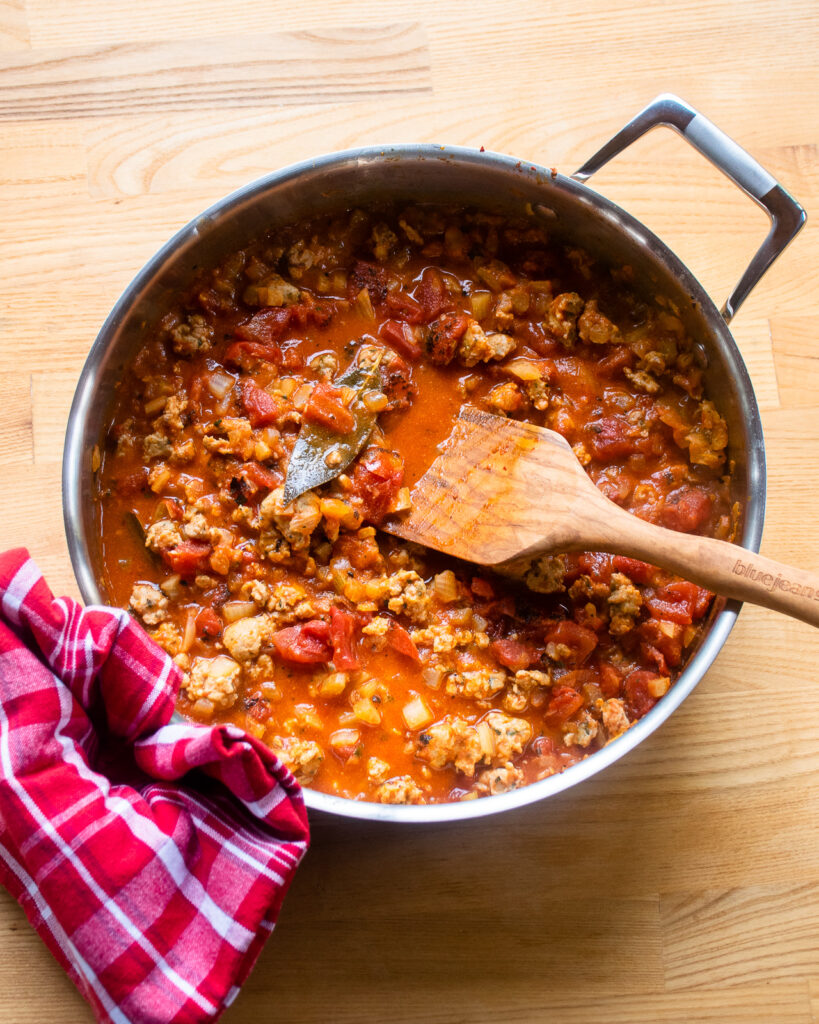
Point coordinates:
pixel 680 885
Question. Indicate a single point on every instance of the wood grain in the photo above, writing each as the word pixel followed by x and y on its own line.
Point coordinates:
pixel 680 885
pixel 233 72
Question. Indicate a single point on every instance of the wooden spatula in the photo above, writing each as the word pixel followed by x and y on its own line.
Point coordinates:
pixel 503 491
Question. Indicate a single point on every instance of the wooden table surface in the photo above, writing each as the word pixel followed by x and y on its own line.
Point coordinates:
pixel 680 885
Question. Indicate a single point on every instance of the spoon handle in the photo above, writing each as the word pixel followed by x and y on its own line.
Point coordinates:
pixel 722 567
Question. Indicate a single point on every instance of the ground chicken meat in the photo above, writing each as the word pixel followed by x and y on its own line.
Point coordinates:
pixel 520 690
pixel 239 440
pixel 302 757
pixel 510 735
pixel 409 595
pixel 156 446
pixel 625 601
pixel 149 603
pixel 478 685
pixel 246 637
pixel 506 397
pixel 581 731
pixel 183 451
pixel 384 240
pixel 707 441
pixel 296 521
pixel 162 536
pixel 171 418
pixel 595 328
pixel 451 741
pixel 272 290
pixel 561 319
pixel 545 575
pixel 476 346
pixel 400 790
pixel 192 337
pixel 213 679
pixel 643 381
pixel 498 780
pixel 169 638
pixel 613 716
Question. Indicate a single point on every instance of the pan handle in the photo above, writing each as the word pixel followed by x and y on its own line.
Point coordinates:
pixel 787 216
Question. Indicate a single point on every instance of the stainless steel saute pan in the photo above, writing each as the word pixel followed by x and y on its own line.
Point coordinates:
pixel 573 212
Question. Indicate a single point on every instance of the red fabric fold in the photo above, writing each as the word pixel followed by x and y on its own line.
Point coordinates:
pixel 151 856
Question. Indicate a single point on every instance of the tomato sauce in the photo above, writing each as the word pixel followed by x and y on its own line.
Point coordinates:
pixel 377 670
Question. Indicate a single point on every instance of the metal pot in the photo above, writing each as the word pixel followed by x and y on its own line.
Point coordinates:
pixel 448 174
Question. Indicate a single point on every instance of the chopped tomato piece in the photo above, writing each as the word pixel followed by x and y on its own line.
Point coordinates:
pixel 369 276
pixel 431 293
pixel 377 480
pixel 610 679
pixel 686 509
pixel 246 353
pixel 266 326
pixel 638 700
pixel 680 602
pixel 564 702
pixel 326 408
pixel 405 307
pixel 260 476
pixel 580 640
pixel 611 438
pixel 597 565
pixel 482 588
pixel 261 408
pixel 665 638
pixel 305 644
pixel 402 337
pixel 637 571
pixel 513 653
pixel 208 623
pixel 615 360
pixel 400 640
pixel 342 638
pixel 189 557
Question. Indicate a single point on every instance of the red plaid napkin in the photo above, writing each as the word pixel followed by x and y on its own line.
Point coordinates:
pixel 152 858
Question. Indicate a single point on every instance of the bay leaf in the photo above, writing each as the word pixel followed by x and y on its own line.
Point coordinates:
pixel 308 466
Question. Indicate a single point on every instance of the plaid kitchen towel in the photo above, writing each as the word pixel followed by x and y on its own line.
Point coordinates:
pixel 152 858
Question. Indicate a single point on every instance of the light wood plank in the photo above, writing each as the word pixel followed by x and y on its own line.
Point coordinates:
pixel 796 359
pixel 13 25
pixel 222 71
pixel 742 937
pixel 16 421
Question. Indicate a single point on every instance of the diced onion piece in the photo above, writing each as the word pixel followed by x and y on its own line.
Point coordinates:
pixel 375 401
pixel 668 628
pixel 366 712
pixel 342 738
pixel 189 635
pixel 416 714
pixel 203 708
pixel 156 405
pixel 219 383
pixel 255 728
pixel 479 623
pixel 480 303
pixel 433 675
pixel 402 501
pixel 333 685
pixel 270 691
pixel 159 478
pixel 446 586
pixel 302 396
pixel 170 586
pixel 286 386
pixel 363 304
pixel 368 688
pixel 486 738
pixel 232 611
pixel 524 369
pixel 658 687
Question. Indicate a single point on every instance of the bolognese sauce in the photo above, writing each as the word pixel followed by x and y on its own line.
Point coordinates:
pixel 378 670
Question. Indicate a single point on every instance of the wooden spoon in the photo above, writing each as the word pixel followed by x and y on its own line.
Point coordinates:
pixel 503 491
